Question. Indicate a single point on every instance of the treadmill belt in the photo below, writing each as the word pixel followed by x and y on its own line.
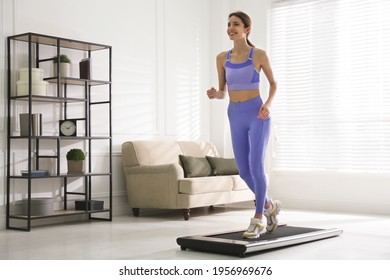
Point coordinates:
pixel 232 243
pixel 278 233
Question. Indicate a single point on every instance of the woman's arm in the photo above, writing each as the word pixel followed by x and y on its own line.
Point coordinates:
pixel 263 61
pixel 221 92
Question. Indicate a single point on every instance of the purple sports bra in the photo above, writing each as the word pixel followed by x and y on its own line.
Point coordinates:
pixel 241 76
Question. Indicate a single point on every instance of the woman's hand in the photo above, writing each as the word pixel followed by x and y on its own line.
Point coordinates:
pixel 213 93
pixel 263 112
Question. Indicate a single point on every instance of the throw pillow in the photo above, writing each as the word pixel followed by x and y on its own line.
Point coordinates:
pixel 195 166
pixel 223 166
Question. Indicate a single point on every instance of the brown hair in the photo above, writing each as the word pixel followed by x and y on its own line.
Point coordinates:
pixel 246 20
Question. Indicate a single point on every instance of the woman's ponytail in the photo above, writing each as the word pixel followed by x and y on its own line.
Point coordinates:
pixel 249 42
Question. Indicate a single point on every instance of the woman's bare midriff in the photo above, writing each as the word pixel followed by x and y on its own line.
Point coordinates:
pixel 243 95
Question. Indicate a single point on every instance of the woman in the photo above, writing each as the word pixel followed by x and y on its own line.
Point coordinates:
pixel 249 117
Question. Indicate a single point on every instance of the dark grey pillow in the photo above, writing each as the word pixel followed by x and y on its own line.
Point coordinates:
pixel 223 166
pixel 195 166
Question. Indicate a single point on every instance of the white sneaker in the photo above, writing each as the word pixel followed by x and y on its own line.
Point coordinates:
pixel 256 228
pixel 272 215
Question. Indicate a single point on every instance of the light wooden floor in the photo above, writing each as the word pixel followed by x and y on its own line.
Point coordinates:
pixel 152 236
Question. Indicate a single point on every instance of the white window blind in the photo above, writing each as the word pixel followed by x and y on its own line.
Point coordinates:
pixel 331 59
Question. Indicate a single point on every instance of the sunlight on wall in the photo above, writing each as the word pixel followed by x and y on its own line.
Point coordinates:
pixel 135 100
pixel 188 94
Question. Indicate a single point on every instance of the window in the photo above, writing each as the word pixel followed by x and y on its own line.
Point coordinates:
pixel 331 59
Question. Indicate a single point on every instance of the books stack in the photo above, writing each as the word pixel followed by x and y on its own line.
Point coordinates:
pixel 36 173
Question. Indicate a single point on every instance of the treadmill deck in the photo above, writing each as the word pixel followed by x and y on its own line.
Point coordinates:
pixel 232 243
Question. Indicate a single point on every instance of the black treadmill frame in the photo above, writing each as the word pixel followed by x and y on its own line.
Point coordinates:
pixel 211 242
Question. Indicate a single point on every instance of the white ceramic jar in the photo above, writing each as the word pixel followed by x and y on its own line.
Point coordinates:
pixel 38 88
pixel 36 74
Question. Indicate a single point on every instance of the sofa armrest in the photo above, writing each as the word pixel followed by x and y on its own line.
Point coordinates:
pixel 153 186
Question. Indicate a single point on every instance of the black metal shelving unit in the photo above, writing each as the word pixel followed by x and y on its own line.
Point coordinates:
pixel 33 41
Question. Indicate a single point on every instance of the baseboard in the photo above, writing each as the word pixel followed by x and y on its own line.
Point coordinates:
pixel 336 206
pixel 360 193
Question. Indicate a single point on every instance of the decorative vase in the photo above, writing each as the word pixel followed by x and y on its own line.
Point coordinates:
pixel 75 166
pixel 64 69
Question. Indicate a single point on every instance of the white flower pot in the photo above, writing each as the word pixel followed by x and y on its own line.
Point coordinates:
pixel 64 69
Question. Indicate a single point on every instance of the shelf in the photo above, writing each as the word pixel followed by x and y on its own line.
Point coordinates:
pixel 62 175
pixel 51 99
pixel 57 41
pixel 63 137
pixel 59 213
pixel 76 81
pixel 70 97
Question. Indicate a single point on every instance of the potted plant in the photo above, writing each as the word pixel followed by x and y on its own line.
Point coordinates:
pixel 64 65
pixel 75 158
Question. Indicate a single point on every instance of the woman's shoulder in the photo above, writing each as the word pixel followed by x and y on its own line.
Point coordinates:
pixel 221 57
pixel 259 52
pixel 222 54
pixel 260 56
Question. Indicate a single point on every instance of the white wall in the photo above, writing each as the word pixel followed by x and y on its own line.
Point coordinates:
pixel 332 191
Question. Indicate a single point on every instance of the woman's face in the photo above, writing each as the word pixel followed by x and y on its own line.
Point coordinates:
pixel 236 29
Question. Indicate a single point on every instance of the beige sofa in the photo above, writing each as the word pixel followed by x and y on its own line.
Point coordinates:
pixel 155 177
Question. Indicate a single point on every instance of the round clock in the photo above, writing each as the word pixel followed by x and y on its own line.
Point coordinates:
pixel 68 128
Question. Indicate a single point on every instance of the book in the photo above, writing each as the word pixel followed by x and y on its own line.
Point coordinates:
pixel 85 69
pixel 36 173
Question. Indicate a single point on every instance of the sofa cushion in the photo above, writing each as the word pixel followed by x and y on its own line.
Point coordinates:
pixel 238 183
pixel 195 166
pixel 205 184
pixel 223 166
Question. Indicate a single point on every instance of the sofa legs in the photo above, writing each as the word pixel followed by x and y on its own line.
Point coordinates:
pixel 186 214
pixel 135 212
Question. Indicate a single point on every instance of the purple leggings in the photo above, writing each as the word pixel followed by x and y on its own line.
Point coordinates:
pixel 250 138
